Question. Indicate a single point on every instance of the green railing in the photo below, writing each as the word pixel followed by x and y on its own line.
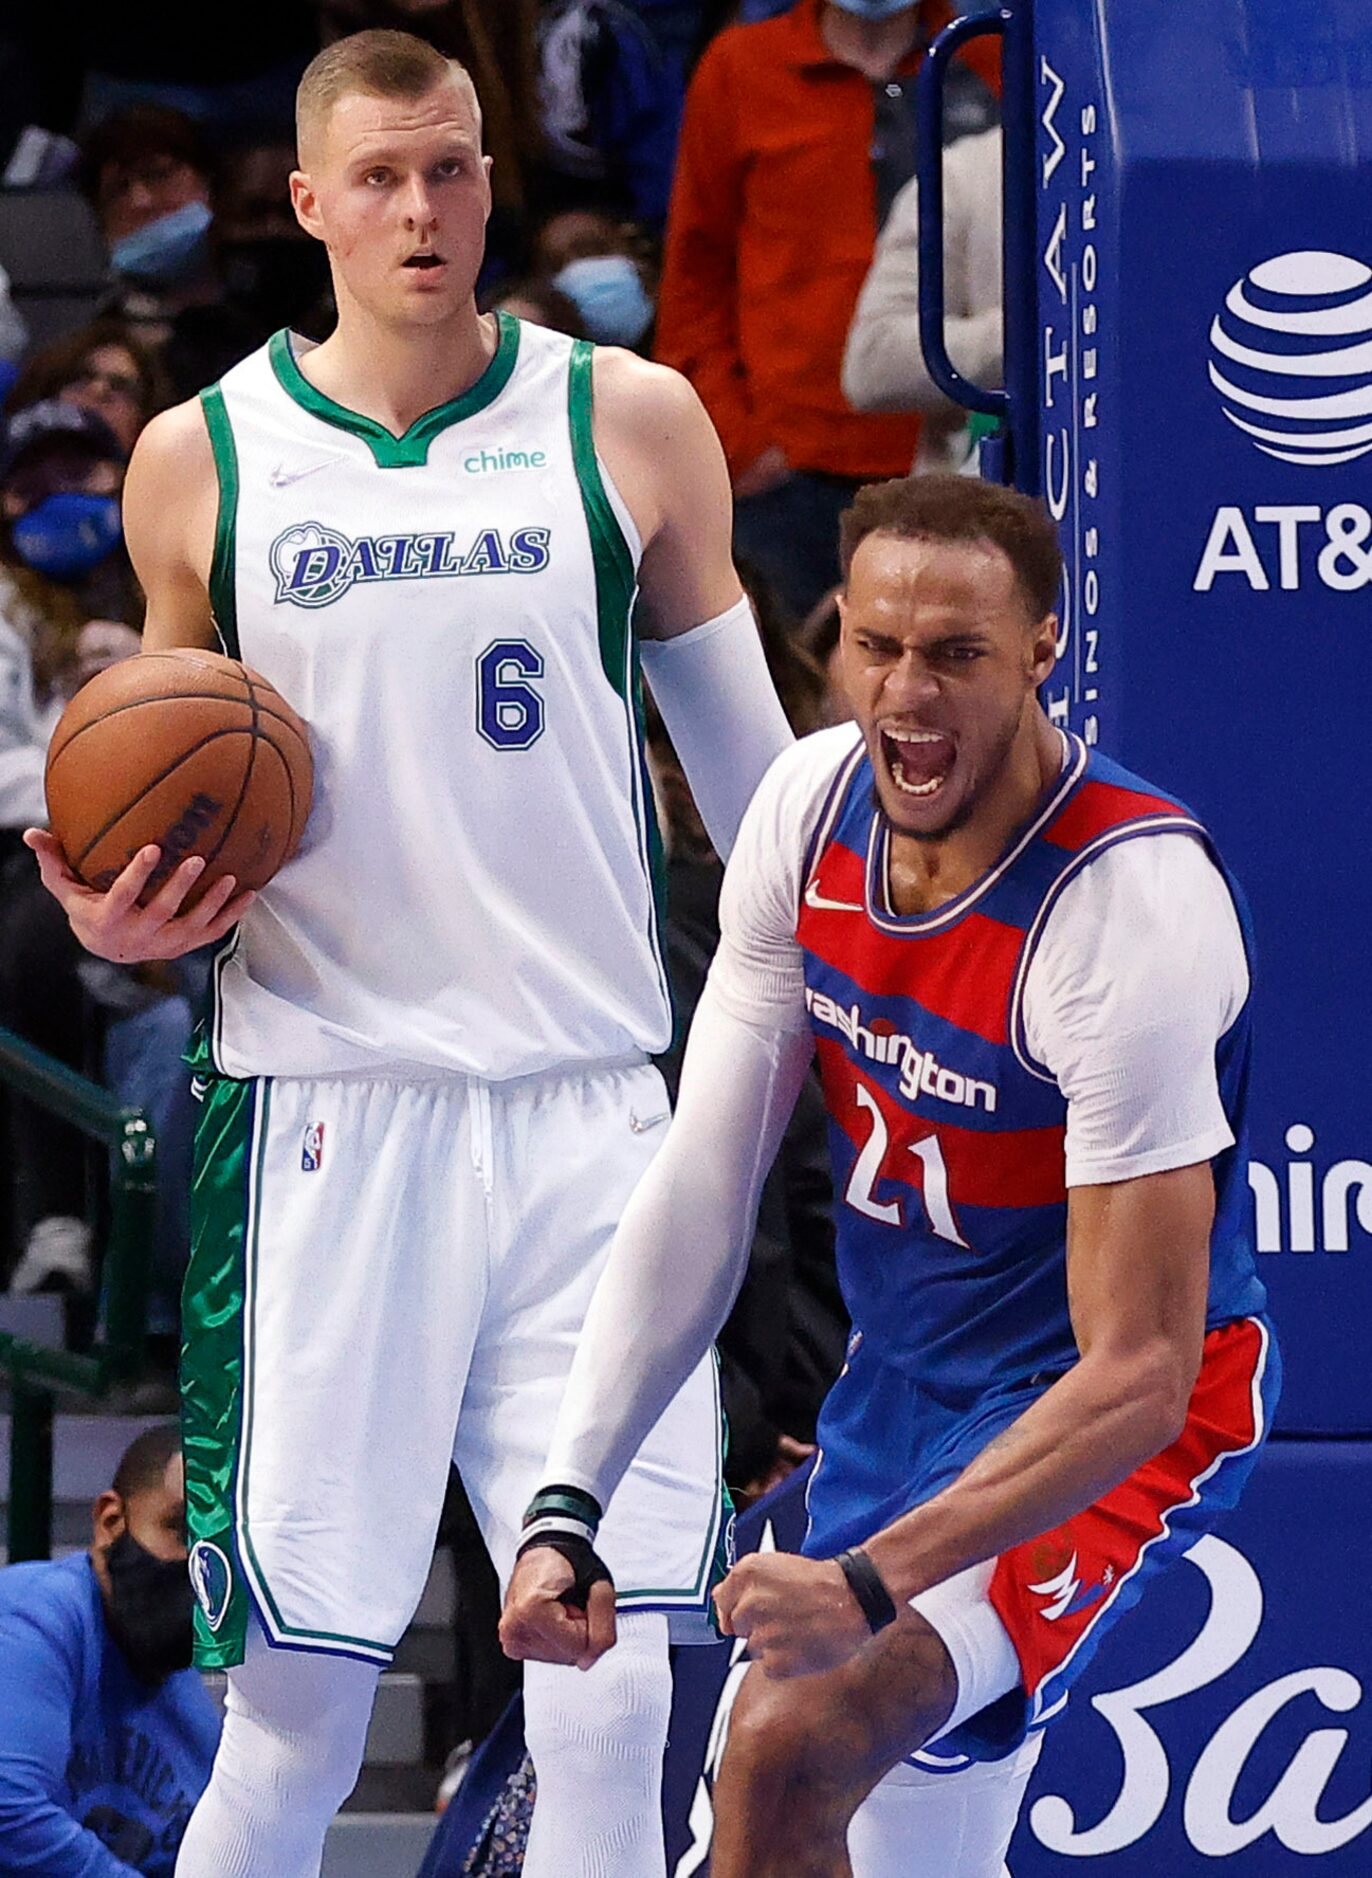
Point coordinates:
pixel 36 1373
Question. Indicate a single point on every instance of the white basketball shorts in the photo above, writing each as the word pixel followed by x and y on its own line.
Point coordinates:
pixel 385 1276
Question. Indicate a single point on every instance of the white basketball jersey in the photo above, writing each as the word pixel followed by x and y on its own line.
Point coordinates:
pixel 449 612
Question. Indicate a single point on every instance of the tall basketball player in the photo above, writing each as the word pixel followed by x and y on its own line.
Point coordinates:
pixel 1025 975
pixel 424 1082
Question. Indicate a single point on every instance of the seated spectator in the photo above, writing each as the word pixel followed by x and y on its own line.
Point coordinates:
pixel 152 179
pixel 603 266
pixel 797 135
pixel 883 363
pixel 105 368
pixel 106 1733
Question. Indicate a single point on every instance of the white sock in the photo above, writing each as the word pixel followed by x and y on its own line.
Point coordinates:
pixel 295 1726
pixel 597 1739
pixel 917 1824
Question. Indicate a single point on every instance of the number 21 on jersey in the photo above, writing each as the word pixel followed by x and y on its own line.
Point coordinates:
pixel 861 1195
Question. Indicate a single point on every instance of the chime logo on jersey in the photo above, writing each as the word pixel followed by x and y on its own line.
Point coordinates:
pixel 211 1580
pixel 312 1149
pixel 315 565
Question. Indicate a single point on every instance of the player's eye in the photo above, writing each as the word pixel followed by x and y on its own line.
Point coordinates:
pixel 376 178
pixel 451 166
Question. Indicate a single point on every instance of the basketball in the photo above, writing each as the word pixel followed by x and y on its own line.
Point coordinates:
pixel 187 750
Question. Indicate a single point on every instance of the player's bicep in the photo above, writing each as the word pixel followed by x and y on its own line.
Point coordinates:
pixel 666 459
pixel 170 515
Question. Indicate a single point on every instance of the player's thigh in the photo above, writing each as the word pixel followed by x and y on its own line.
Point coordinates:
pixel 569 1153
pixel 335 1284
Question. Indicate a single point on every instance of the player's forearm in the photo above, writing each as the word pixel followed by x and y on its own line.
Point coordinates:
pixel 681 1249
pixel 1092 1429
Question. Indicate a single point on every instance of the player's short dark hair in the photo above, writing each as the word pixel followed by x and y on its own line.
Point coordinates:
pixel 381 60
pixel 145 1459
pixel 962 508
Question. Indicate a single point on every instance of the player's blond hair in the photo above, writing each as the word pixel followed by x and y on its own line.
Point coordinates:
pixel 385 63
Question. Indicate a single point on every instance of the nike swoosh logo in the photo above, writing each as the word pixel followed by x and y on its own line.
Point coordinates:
pixel 281 477
pixel 814 898
pixel 642 1127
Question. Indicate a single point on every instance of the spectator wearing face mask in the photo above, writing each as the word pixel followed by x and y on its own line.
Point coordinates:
pixel 105 368
pixel 152 179
pixel 602 266
pixel 106 1733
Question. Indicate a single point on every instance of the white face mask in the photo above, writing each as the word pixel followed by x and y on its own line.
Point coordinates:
pixel 608 292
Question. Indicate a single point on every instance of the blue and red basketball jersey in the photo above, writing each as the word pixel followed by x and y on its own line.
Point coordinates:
pixel 948 1142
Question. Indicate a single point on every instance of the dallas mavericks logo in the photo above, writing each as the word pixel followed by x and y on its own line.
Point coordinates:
pixel 314 565
pixel 211 1581
pixel 1292 357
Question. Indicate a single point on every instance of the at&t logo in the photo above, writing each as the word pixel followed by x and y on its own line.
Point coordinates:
pixel 1291 356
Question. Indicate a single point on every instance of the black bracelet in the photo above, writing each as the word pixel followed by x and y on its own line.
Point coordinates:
pixel 864 1581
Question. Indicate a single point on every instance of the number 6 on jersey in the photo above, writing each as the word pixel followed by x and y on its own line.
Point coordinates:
pixel 509 712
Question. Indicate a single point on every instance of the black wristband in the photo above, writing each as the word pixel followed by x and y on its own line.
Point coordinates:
pixel 565 1510
pixel 586 1563
pixel 864 1581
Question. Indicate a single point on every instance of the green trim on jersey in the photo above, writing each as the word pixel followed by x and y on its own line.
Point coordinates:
pixel 412 450
pixel 717 1555
pixel 615 580
pixel 223 591
pixel 616 584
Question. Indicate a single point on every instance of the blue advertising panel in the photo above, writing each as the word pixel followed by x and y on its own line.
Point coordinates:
pixel 1203 433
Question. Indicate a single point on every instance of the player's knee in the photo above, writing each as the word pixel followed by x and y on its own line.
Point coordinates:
pixel 779 1750
pixel 615 1712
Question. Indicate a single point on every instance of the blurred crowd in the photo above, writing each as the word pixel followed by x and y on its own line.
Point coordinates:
pixel 727 187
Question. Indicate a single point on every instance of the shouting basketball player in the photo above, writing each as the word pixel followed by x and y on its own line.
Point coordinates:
pixel 1026 978
pixel 425 1086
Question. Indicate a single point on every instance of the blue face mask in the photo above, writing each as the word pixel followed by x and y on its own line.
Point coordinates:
pixel 65 536
pixel 607 291
pixel 164 251
pixel 873 9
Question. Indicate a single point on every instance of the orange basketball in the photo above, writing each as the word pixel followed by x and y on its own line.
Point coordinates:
pixel 185 749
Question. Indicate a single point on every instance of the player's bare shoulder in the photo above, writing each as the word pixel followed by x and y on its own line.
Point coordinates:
pixel 652 430
pixel 171 506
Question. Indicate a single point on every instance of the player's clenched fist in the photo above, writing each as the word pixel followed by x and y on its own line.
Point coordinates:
pixel 560 1607
pixel 541 1625
pixel 114 926
pixel 797 1614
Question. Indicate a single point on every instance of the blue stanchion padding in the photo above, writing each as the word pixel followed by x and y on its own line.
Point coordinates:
pixel 1202 430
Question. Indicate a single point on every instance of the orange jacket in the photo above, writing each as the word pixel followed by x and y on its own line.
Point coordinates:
pixel 770 235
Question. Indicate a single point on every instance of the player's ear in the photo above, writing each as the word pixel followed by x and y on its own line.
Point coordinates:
pixel 1043 648
pixel 306 204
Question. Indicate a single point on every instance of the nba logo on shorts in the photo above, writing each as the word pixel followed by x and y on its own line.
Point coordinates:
pixel 312 1149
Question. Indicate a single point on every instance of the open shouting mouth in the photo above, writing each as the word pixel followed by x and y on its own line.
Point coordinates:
pixel 917 761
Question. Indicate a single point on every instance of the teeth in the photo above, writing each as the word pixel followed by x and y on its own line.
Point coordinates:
pixel 914 789
pixel 914 736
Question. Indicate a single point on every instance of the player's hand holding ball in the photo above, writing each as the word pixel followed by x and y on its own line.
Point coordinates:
pixel 177 784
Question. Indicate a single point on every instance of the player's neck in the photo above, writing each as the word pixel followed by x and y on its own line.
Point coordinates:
pixel 924 875
pixel 394 374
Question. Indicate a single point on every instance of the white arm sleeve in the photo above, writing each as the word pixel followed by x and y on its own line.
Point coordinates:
pixel 1140 971
pixel 681 1249
pixel 722 712
pixel 23 737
